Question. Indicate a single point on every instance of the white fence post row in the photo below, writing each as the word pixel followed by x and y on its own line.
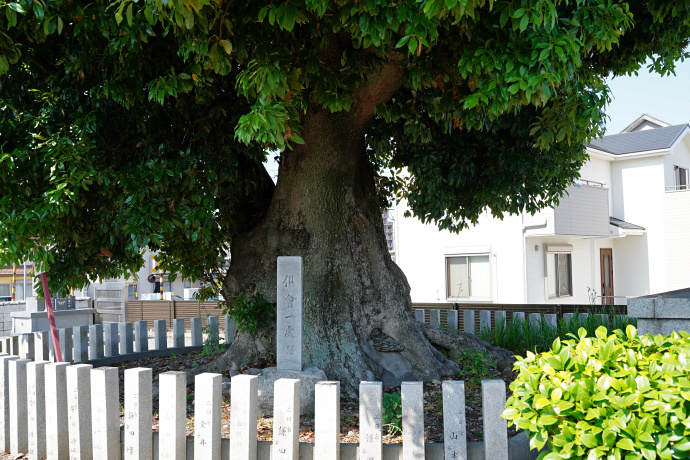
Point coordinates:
pixel 454 426
pixel 36 402
pixel 105 415
pixel 207 400
pixel 138 413
pixel 5 358
pixel 172 441
pixel 57 431
pixel 568 317
pixel 327 420
pixel 370 415
pixel 412 396
pixel 419 315
pixel 244 401
pixel 79 411
pixel 495 427
pixel 468 320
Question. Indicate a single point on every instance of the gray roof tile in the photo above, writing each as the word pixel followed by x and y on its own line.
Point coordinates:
pixel 638 141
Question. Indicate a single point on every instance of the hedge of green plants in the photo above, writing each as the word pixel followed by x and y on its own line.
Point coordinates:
pixel 618 396
pixel 522 336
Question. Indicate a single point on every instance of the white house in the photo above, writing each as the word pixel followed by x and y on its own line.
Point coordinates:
pixel 621 231
pixel 141 288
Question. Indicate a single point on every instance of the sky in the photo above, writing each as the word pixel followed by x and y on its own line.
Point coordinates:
pixel 664 98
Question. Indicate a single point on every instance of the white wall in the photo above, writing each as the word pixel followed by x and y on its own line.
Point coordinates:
pixel 536 269
pixel 638 191
pixel 421 250
pixel 676 239
pixel 680 156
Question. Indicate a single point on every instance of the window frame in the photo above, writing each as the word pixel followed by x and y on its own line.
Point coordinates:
pixel 558 251
pixel 679 172
pixel 470 296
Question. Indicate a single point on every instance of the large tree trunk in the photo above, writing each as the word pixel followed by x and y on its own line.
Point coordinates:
pixel 325 209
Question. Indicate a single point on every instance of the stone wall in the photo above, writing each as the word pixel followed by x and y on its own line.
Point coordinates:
pixel 661 313
pixel 5 320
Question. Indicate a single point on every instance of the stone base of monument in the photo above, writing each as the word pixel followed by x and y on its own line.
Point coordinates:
pixel 309 377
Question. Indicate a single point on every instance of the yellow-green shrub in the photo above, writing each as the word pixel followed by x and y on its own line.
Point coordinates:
pixel 621 396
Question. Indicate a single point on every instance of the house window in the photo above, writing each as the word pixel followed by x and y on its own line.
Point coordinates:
pixel 468 276
pixel 167 286
pixel 681 177
pixel 5 290
pixel 187 284
pixel 559 272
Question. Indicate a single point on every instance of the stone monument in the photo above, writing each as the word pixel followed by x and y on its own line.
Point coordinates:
pixel 289 342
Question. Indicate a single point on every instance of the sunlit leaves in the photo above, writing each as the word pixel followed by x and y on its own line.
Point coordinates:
pixel 613 409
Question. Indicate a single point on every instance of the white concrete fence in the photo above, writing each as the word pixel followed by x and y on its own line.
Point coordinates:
pixel 61 411
pixel 535 319
pixel 87 343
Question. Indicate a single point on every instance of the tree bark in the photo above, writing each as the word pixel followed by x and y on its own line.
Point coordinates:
pixel 325 209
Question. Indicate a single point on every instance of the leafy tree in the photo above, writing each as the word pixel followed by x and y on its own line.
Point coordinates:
pixel 144 124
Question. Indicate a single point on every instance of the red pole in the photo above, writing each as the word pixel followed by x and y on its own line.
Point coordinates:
pixel 51 318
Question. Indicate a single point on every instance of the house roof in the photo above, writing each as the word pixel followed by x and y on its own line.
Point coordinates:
pixel 623 224
pixel 639 141
pixel 7 270
pixel 645 117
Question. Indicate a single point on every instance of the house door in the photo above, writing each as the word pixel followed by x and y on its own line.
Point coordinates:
pixel 606 276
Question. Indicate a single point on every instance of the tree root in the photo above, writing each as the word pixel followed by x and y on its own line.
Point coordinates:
pixel 464 342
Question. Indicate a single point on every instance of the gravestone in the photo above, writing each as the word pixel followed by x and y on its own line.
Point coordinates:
pixel 289 330
pixel 64 304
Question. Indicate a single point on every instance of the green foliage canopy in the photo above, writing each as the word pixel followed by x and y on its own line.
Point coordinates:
pixel 143 124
